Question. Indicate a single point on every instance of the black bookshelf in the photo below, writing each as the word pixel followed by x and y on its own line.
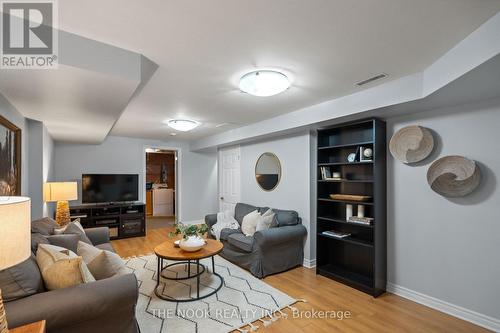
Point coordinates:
pixel 360 259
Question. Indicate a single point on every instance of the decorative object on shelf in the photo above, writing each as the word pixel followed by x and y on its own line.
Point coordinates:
pixel 351 158
pixel 361 220
pixel 15 238
pixel 336 234
pixel 361 211
pixel 191 236
pixel 350 197
pixel 454 176
pixel 348 212
pixel 10 158
pixel 411 144
pixel 365 154
pixel 268 171
pixel 61 192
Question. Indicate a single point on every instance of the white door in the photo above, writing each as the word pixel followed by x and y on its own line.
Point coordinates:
pixel 229 178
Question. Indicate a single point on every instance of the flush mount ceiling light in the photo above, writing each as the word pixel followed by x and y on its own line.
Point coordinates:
pixel 182 125
pixel 264 83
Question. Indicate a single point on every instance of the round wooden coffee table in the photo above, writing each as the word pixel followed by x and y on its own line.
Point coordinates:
pixel 168 251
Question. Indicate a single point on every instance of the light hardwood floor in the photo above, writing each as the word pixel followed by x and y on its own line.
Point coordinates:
pixel 387 313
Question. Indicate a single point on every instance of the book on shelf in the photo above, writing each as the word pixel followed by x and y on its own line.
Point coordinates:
pixel 336 234
pixel 325 173
pixel 361 220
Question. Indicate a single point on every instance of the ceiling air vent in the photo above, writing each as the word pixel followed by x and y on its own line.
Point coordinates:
pixel 375 78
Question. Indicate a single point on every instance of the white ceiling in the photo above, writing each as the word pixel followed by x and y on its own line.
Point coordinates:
pixel 325 46
pixel 75 104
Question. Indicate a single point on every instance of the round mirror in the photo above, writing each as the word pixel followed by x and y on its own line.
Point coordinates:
pixel 268 171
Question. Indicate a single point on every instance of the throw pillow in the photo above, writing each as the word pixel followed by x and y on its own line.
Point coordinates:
pixel 22 280
pixel 61 268
pixel 101 263
pixel 44 226
pixel 37 238
pixel 67 241
pixel 265 222
pixel 76 228
pixel 249 224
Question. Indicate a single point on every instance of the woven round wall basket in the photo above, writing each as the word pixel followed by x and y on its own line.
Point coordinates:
pixel 454 176
pixel 411 144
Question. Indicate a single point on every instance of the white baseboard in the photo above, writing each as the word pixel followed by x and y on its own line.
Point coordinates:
pixel 309 263
pixel 448 308
pixel 193 222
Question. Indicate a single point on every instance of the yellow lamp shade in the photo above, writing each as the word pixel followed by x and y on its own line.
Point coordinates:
pixel 60 191
pixel 15 230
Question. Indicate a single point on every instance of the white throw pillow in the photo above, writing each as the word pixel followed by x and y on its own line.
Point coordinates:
pixel 266 219
pixel 101 263
pixel 249 224
pixel 61 268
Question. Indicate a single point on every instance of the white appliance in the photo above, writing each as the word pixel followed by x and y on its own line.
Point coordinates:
pixel 163 202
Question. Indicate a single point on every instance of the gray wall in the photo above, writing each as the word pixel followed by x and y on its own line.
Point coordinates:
pixel 37 158
pixel 197 178
pixel 48 166
pixel 35 167
pixel 8 111
pixel 448 248
pixel 293 191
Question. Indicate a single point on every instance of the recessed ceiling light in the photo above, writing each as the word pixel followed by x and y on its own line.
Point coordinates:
pixel 173 134
pixel 264 83
pixel 183 125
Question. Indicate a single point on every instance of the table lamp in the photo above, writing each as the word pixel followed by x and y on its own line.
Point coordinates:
pixel 15 238
pixel 60 192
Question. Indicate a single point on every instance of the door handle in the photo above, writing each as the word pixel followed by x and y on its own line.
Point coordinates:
pixel 222 198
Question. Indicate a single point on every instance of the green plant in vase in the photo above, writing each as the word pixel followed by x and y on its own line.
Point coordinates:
pixel 192 236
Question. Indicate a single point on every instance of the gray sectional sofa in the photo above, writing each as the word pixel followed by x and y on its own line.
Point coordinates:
pixel 267 252
pixel 104 306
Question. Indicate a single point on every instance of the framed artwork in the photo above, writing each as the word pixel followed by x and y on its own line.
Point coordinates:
pixel 10 158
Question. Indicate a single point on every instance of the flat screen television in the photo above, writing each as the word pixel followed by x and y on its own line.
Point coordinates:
pixel 111 188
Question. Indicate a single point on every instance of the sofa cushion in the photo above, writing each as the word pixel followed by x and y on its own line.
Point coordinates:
pixel 101 263
pixel 44 226
pixel 37 238
pixel 242 242
pixel 76 228
pixel 241 210
pixel 224 233
pixel 68 241
pixel 286 217
pixel 21 280
pixel 61 268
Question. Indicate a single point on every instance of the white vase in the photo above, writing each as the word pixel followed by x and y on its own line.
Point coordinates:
pixel 192 243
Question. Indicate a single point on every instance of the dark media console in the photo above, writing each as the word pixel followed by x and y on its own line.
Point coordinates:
pixel 124 220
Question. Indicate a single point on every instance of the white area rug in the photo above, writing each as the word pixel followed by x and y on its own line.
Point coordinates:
pixel 242 299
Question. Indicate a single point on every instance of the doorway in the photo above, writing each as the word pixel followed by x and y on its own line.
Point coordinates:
pixel 229 178
pixel 161 187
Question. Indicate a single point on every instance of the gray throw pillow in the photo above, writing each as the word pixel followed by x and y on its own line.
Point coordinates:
pixel 44 226
pixel 101 263
pixel 21 280
pixel 68 241
pixel 76 228
pixel 286 217
pixel 37 238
